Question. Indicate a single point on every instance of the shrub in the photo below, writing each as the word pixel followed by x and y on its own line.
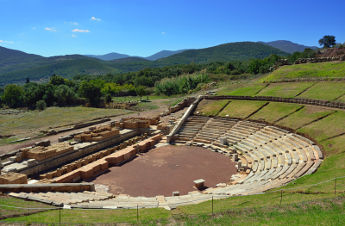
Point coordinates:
pixel 181 84
pixel 41 105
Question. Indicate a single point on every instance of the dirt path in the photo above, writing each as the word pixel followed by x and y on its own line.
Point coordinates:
pixel 54 138
pixel 166 169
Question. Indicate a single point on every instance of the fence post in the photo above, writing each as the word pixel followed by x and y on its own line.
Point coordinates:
pixel 335 186
pixel 212 205
pixel 137 213
pixel 281 197
pixel 59 216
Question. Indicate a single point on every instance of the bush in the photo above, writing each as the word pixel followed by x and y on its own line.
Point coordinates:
pixel 41 105
pixel 181 84
pixel 13 96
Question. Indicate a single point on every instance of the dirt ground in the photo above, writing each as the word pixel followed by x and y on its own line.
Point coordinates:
pixel 166 169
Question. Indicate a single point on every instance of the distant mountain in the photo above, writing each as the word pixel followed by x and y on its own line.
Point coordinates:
pixel 163 54
pixel 15 65
pixel 224 52
pixel 109 56
pixel 287 46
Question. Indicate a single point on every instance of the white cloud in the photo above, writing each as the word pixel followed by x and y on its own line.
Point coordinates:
pixel 74 36
pixel 163 33
pixel 50 29
pixel 95 19
pixel 80 30
pixel 6 42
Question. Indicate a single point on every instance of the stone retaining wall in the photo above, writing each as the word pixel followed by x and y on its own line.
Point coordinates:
pixel 65 187
pixel 323 103
pixel 184 118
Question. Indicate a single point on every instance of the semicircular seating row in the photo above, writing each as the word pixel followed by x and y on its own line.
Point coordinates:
pixel 270 155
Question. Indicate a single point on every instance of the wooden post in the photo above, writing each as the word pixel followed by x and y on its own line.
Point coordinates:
pixel 335 186
pixel 212 205
pixel 281 197
pixel 59 216
pixel 137 213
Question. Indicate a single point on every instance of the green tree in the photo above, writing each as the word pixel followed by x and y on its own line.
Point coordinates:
pixel 327 41
pixel 64 95
pixel 13 96
pixel 91 91
pixel 33 92
pixel 41 105
pixel 57 80
pixel 140 91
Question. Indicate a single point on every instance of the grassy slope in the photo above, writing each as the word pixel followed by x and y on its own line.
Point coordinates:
pixel 310 70
pixel 327 127
pixel 241 108
pixel 274 111
pixel 29 123
pixel 304 116
pixel 288 89
pixel 250 90
pixel 325 91
pixel 6 204
pixel 210 107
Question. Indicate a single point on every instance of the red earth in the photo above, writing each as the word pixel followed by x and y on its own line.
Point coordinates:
pixel 166 169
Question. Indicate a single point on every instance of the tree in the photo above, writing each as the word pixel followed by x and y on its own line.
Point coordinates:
pixel 41 105
pixel 91 91
pixel 140 91
pixel 57 80
pixel 13 96
pixel 64 95
pixel 327 41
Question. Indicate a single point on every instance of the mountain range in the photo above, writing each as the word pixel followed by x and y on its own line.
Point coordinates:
pixel 16 66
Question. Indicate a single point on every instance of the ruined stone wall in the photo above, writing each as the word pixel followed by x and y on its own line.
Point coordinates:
pixel 97 134
pixel 97 167
pixel 88 159
pixel 66 187
pixel 13 178
pixel 40 152
pixel 57 161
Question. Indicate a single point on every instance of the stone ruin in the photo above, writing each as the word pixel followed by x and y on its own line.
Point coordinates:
pixel 42 152
pixel 13 178
pixel 97 134
pixel 137 122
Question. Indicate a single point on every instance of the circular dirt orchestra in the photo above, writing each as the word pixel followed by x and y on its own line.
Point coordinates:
pixel 166 169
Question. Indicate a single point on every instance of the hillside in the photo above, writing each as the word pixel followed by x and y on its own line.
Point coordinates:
pixel 288 46
pixel 225 52
pixel 163 54
pixel 109 56
pixel 15 66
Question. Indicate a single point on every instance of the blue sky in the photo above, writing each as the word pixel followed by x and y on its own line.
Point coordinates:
pixel 144 27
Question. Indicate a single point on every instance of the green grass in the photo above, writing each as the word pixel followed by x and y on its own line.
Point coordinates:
pixel 325 212
pixel 210 107
pixel 325 91
pixel 241 108
pixel 310 70
pixel 304 116
pixel 6 204
pixel 287 89
pixel 77 216
pixel 335 145
pixel 275 111
pixel 326 127
pixel 30 123
pixel 250 90
pixel 341 99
